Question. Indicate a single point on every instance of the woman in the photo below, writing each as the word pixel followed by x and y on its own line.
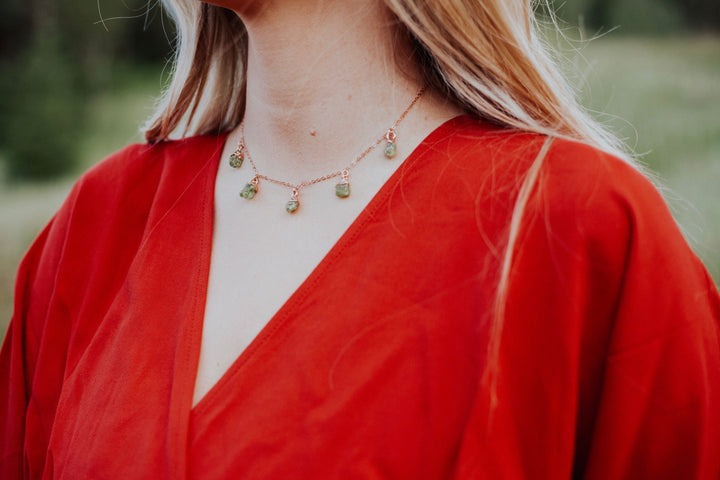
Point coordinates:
pixel 435 268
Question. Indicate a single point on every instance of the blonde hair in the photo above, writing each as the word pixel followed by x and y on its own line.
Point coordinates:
pixel 207 90
pixel 487 55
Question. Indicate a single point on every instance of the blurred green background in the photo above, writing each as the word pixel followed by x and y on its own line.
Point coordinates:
pixel 78 78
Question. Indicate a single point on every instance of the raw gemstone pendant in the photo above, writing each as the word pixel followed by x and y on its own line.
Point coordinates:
pixel 291 206
pixel 342 189
pixel 250 189
pixel 390 147
pixel 293 203
pixel 236 158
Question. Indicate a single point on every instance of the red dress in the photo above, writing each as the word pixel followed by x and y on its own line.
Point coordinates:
pixel 609 365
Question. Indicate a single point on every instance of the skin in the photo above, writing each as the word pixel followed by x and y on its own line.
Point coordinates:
pixel 323 84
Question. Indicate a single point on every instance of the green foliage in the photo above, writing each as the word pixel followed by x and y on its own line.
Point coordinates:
pixel 628 16
pixel 41 113
pixel 54 58
pixel 647 16
pixel 702 14
pixel 15 16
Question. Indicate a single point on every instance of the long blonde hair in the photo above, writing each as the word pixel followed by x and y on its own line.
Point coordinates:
pixel 487 55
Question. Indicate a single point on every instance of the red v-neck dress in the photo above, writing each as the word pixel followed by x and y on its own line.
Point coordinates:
pixel 609 363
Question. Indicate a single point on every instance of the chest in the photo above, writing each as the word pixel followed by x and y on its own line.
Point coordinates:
pixel 262 255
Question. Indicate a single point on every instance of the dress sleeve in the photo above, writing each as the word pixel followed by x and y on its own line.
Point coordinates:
pixel 32 358
pixel 658 410
pixel 639 319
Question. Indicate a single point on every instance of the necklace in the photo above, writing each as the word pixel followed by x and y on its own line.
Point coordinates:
pixel 342 189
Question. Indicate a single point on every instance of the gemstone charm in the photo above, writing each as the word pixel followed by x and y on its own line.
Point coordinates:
pixel 342 189
pixel 236 158
pixel 293 203
pixel 390 148
pixel 250 189
pixel 291 206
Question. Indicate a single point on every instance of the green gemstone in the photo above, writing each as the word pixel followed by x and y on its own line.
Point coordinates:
pixel 248 191
pixel 390 150
pixel 292 205
pixel 342 190
pixel 236 160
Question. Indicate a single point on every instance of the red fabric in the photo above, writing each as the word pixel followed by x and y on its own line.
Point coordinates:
pixel 609 365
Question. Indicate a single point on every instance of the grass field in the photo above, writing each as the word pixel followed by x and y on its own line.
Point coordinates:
pixel 662 95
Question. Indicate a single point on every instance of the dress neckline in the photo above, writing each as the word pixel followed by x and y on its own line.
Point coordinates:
pixel 285 313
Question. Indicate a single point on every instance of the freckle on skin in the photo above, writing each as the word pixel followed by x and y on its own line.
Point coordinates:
pixel 313 133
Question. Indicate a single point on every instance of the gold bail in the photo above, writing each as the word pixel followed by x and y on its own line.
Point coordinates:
pixel 390 148
pixel 342 189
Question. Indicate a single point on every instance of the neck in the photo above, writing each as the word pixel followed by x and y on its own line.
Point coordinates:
pixel 323 82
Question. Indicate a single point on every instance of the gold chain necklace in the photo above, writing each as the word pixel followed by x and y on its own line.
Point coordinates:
pixel 342 189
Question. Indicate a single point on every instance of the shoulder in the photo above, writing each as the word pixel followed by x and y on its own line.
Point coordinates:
pixel 489 150
pixel 95 234
pixel 127 185
pixel 579 178
pixel 486 167
pixel 605 210
pixel 596 227
pixel 575 183
pixel 144 167
pixel 115 202
pixel 491 157
pixel 608 205
pixel 586 206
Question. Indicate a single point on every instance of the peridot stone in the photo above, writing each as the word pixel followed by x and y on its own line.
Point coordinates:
pixel 236 160
pixel 248 191
pixel 390 150
pixel 292 205
pixel 342 190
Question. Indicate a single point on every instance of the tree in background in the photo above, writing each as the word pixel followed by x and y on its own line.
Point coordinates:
pixel 53 57
pixel 41 113
pixel 627 16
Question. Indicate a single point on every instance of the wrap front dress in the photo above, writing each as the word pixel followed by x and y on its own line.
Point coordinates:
pixel 609 363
